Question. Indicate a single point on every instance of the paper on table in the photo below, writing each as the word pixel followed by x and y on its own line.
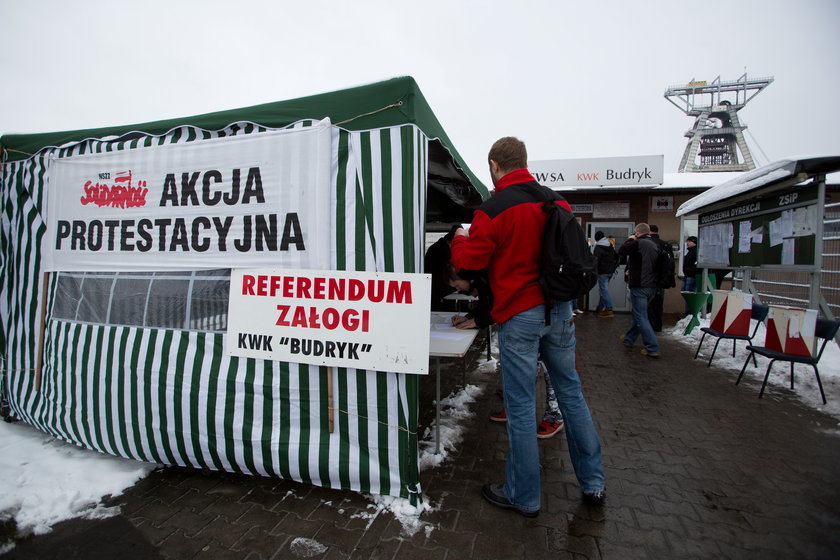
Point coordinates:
pixel 448 335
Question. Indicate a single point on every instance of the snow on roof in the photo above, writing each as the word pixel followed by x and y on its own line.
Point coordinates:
pixel 671 181
pixel 763 176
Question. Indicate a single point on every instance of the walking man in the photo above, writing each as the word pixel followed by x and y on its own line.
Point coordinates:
pixel 505 237
pixel 641 252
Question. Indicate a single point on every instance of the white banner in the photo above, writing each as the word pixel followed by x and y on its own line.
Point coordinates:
pixel 260 199
pixel 364 320
pixel 593 172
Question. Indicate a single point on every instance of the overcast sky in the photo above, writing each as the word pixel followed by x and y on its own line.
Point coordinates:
pixel 572 79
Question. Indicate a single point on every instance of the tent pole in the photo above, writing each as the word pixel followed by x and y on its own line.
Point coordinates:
pixel 40 356
pixel 331 408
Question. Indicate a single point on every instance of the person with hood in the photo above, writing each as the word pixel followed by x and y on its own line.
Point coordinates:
pixel 606 261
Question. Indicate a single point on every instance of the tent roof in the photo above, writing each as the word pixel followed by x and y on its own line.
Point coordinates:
pixel 800 168
pixel 389 103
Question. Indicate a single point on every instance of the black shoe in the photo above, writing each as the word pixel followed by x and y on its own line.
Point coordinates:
pixel 595 498
pixel 494 494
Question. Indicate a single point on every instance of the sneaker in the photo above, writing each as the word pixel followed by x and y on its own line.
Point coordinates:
pixel 624 341
pixel 595 498
pixel 577 312
pixel 494 494
pixel 547 429
pixel 650 354
pixel 606 313
pixel 500 416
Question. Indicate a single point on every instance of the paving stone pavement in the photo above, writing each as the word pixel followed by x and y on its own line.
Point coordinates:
pixel 696 468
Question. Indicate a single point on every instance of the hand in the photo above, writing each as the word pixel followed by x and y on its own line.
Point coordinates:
pixel 467 324
pixel 458 319
pixel 462 231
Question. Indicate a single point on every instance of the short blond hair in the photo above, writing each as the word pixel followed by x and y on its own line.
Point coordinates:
pixel 642 228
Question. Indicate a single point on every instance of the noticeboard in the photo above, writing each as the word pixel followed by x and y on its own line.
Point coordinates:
pixel 777 229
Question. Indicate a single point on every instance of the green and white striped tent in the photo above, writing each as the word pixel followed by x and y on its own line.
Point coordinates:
pixel 112 374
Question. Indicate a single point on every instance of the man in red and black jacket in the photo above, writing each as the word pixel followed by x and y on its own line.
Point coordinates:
pixel 505 237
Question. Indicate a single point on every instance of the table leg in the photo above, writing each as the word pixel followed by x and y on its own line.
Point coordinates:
pixel 437 407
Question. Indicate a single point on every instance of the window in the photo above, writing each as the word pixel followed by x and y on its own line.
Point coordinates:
pixel 193 300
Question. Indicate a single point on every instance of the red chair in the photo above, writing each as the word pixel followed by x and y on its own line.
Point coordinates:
pixel 759 313
pixel 825 329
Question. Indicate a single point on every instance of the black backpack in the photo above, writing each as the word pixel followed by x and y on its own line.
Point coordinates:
pixel 607 258
pixel 567 268
pixel 665 270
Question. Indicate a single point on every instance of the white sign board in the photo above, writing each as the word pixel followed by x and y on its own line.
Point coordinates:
pixel 364 320
pixel 581 208
pixel 251 200
pixel 594 172
pixel 611 210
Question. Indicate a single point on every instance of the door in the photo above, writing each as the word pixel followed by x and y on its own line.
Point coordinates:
pixel 617 233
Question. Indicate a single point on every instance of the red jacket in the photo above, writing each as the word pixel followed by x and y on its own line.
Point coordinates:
pixel 505 238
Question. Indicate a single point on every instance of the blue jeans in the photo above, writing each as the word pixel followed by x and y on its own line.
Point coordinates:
pixel 640 298
pixel 522 339
pixel 689 284
pixel 604 301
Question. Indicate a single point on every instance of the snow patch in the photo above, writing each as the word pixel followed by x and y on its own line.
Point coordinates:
pixel 806 389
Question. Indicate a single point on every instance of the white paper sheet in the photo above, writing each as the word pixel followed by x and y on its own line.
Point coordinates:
pixel 744 236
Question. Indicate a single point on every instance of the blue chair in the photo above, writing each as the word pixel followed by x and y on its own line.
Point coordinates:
pixel 825 329
pixel 759 313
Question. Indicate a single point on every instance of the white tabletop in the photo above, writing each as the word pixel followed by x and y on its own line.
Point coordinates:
pixel 445 341
pixel 458 296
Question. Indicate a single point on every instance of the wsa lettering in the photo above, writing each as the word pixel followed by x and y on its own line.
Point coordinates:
pixel 549 177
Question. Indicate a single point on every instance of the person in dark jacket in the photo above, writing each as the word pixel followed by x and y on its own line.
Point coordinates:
pixel 641 252
pixel 435 262
pixel 478 317
pixel 657 305
pixel 606 261
pixel 472 283
pixel 689 268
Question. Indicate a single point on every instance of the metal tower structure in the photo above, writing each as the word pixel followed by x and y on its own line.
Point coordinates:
pixel 717 137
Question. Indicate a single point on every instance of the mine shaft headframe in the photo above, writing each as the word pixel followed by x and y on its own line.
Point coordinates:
pixel 698 96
